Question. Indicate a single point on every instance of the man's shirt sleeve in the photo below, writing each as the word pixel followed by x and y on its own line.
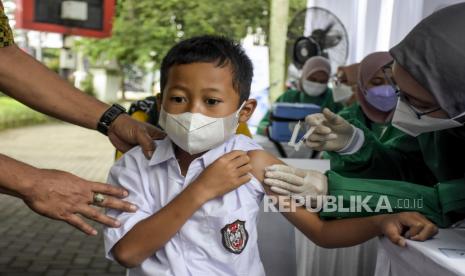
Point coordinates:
pixel 6 35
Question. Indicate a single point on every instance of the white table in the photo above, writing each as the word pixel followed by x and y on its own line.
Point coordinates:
pixel 443 255
pixel 286 251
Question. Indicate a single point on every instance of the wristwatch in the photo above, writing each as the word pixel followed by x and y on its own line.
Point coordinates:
pixel 108 117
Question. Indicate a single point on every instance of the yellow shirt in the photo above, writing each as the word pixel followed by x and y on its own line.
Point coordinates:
pixel 6 36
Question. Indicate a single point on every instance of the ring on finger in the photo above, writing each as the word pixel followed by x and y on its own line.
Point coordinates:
pixel 98 198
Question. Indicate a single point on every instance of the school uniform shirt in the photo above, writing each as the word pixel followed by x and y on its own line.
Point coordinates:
pixel 219 239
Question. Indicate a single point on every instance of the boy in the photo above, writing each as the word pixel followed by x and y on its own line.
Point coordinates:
pixel 199 195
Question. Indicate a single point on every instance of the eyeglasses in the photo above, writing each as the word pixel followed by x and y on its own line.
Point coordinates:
pixel 388 75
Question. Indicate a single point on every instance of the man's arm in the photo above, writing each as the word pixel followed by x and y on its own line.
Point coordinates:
pixel 59 195
pixel 56 194
pixel 344 232
pixel 30 82
pixel 225 174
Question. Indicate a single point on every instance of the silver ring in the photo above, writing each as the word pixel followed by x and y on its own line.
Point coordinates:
pixel 98 198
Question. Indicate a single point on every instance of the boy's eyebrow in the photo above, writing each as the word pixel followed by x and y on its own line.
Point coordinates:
pixel 211 89
pixel 178 87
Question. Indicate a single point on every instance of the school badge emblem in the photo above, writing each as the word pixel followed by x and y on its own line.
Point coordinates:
pixel 235 236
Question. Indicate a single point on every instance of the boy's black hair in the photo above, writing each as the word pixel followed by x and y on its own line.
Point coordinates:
pixel 215 49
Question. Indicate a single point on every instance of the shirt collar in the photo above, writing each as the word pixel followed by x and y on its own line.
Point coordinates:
pixel 210 156
pixel 163 152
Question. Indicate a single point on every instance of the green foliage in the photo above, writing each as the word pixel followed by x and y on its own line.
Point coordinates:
pixel 295 6
pixel 51 58
pixel 88 86
pixel 144 30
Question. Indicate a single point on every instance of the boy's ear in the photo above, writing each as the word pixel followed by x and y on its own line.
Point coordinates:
pixel 159 99
pixel 247 111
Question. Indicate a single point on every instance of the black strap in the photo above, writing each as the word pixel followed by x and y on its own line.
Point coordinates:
pixel 108 117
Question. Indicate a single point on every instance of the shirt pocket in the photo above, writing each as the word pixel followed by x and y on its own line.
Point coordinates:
pixel 230 231
pixel 232 238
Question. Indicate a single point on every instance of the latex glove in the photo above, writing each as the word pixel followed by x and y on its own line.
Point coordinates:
pixel 286 180
pixel 333 133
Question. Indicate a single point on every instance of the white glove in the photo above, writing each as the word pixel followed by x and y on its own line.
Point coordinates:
pixel 333 133
pixel 288 180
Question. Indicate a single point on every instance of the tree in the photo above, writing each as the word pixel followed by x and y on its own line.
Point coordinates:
pixel 144 30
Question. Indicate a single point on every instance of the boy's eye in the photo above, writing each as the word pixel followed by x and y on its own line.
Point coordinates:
pixel 212 101
pixel 178 99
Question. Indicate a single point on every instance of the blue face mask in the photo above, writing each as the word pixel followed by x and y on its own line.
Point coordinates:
pixel 382 97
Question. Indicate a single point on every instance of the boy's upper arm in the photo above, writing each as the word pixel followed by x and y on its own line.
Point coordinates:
pixel 260 159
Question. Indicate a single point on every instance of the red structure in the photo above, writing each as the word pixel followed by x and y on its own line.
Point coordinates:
pixel 90 18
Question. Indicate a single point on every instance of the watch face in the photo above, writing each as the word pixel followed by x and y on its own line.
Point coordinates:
pixel 109 116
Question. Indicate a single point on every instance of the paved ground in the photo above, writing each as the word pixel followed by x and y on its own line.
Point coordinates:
pixel 33 245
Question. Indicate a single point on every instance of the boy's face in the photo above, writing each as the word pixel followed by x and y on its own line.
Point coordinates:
pixel 203 87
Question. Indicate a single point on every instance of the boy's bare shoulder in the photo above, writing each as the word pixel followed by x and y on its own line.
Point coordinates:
pixel 260 159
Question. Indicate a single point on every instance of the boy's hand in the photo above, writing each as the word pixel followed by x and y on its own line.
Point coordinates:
pixel 415 226
pixel 224 175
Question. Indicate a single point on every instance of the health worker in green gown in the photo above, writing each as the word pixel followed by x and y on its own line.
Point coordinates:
pixel 376 101
pixel 428 76
pixel 344 84
pixel 312 88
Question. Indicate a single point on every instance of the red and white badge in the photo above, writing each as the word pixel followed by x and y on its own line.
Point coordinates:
pixel 235 236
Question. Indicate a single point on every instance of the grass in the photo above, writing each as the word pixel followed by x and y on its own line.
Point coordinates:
pixel 15 114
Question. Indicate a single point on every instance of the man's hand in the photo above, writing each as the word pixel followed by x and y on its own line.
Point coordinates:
pixel 63 196
pixel 224 175
pixel 411 225
pixel 125 133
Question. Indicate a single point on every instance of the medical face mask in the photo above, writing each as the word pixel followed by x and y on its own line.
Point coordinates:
pixel 406 120
pixel 382 97
pixel 342 93
pixel 195 132
pixel 312 88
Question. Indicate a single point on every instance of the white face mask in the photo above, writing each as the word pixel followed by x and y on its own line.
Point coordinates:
pixel 195 132
pixel 406 120
pixel 312 88
pixel 342 93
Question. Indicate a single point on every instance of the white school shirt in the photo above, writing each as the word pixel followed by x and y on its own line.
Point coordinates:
pixel 219 239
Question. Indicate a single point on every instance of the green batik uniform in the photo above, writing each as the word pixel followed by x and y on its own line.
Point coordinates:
pixel 429 167
pixel 295 96
pixel 6 36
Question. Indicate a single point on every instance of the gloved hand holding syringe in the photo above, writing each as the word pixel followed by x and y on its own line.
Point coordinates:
pixel 302 139
pixel 298 183
pixel 328 132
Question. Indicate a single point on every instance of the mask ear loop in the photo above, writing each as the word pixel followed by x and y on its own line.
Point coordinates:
pixel 240 108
